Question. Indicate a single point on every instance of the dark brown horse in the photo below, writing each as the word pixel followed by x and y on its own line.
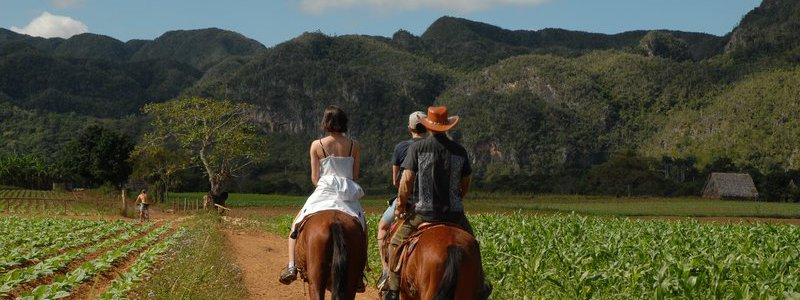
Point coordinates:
pixel 445 263
pixel 331 254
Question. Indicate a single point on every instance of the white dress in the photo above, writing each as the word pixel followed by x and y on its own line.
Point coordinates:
pixel 335 190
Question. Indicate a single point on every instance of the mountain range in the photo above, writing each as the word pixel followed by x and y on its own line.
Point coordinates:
pixel 539 108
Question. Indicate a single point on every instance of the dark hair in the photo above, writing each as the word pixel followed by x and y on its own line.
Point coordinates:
pixel 420 129
pixel 334 119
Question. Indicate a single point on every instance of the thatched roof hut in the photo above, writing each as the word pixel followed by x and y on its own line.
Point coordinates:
pixel 730 186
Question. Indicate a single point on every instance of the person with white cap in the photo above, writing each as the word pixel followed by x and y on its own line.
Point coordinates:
pixel 418 132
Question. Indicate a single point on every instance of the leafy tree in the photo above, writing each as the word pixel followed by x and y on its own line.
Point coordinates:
pixel 27 171
pixel 158 166
pixel 98 155
pixel 219 136
pixel 626 175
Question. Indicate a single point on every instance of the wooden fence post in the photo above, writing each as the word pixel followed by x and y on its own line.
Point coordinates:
pixel 124 202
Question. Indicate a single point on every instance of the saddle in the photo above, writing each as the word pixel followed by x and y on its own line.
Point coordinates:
pixel 409 244
pixel 299 227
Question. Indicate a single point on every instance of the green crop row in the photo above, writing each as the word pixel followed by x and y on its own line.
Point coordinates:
pixel 578 257
pixel 144 263
pixel 50 243
pixel 18 231
pixel 574 257
pixel 37 194
pixel 63 285
pixel 17 277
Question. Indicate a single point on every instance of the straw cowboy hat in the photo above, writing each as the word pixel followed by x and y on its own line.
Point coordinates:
pixel 437 119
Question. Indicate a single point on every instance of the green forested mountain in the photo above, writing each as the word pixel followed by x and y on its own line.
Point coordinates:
pixel 201 49
pixel 99 76
pixel 549 110
pixel 772 29
pixel 292 83
pixel 471 45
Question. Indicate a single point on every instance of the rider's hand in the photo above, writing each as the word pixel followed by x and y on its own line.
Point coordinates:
pixel 399 212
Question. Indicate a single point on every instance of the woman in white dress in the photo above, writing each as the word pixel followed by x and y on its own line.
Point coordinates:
pixel 334 170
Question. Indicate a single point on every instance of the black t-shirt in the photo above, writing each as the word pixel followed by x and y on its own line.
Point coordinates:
pixel 439 164
pixel 399 155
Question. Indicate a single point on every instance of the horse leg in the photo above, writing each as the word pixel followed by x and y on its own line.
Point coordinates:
pixel 317 277
pixel 427 276
pixel 357 260
pixel 315 291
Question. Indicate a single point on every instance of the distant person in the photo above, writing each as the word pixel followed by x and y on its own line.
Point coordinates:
pixel 444 172
pixel 334 170
pixel 418 133
pixel 143 200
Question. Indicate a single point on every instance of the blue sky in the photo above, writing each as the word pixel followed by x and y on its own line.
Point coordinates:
pixel 272 22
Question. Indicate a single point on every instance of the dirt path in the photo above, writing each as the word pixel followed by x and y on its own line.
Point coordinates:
pixel 261 256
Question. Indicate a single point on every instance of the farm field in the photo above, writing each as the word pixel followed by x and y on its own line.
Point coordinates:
pixel 587 205
pixel 36 202
pixel 532 247
pixel 578 257
pixel 50 258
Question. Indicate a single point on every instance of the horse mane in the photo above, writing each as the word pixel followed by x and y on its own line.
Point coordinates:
pixel 447 288
pixel 338 262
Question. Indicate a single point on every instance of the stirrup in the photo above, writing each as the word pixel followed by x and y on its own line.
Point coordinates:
pixel 390 295
pixel 382 281
pixel 288 275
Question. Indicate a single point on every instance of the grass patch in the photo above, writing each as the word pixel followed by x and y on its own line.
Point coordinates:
pixel 634 206
pixel 200 267
pixel 585 205
pixel 268 200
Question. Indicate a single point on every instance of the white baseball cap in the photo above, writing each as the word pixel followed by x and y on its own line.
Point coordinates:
pixel 414 118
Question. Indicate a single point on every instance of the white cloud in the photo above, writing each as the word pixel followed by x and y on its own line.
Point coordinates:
pixel 66 3
pixel 48 25
pixel 319 6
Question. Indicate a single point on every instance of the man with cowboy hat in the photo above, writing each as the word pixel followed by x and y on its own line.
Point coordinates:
pixel 442 169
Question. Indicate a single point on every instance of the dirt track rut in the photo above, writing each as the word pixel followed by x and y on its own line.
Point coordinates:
pixel 261 256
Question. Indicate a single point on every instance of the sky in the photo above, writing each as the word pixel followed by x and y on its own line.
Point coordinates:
pixel 274 21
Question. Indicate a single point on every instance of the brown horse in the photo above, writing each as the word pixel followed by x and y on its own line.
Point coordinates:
pixel 445 263
pixel 331 254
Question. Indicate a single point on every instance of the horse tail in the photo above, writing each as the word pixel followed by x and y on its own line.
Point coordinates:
pixel 447 288
pixel 338 262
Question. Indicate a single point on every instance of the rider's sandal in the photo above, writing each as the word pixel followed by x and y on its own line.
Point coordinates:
pixel 288 275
